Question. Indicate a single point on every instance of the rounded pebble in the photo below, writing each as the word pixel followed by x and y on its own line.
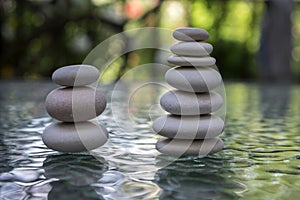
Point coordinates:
pixel 190 34
pixel 186 103
pixel 192 61
pixel 75 75
pixel 188 127
pixel 70 137
pixel 192 49
pixel 177 147
pixel 193 79
pixel 75 104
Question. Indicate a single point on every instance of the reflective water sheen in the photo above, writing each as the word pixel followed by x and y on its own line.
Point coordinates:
pixel 261 159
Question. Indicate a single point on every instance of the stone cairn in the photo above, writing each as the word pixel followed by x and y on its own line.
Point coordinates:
pixel 190 127
pixel 73 104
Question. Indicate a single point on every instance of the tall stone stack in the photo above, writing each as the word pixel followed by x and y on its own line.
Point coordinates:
pixel 191 128
pixel 73 104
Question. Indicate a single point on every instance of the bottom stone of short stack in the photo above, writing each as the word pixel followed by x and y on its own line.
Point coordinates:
pixel 74 137
pixel 177 147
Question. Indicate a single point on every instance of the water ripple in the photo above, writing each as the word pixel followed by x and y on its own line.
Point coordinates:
pixel 260 159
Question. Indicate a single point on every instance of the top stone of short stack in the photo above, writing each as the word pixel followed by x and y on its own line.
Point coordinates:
pixel 190 34
pixel 75 75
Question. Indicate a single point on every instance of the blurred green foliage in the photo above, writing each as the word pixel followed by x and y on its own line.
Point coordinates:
pixel 39 36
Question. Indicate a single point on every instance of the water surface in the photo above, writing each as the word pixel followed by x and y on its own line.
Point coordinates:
pixel 261 159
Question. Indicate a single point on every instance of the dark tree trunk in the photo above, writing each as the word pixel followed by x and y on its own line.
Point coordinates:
pixel 276 41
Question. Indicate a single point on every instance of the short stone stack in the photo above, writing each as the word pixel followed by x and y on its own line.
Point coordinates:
pixel 76 102
pixel 191 128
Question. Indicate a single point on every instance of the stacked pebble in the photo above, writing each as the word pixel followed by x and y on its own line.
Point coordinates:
pixel 76 102
pixel 190 127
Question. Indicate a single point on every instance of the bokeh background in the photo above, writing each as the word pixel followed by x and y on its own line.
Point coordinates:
pixel 253 39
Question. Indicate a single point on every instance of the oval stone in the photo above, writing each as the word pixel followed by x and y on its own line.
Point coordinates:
pixel 193 79
pixel 70 137
pixel 192 61
pixel 75 75
pixel 201 148
pixel 75 104
pixel 190 34
pixel 179 102
pixel 192 49
pixel 188 127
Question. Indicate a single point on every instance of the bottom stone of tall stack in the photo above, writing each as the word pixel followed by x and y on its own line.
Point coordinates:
pixel 74 137
pixel 179 147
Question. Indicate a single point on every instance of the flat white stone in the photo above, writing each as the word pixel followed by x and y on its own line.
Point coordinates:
pixel 190 34
pixel 176 147
pixel 192 61
pixel 191 79
pixel 186 103
pixel 70 137
pixel 192 49
pixel 75 104
pixel 75 75
pixel 188 127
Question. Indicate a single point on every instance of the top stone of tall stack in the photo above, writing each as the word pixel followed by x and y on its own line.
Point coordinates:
pixel 76 75
pixel 190 34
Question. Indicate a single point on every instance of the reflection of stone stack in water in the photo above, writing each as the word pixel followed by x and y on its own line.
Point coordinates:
pixel 74 175
pixel 73 104
pixel 197 179
pixel 190 106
